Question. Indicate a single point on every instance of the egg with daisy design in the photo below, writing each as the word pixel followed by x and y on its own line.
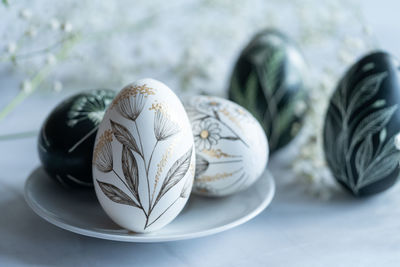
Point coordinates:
pixel 231 146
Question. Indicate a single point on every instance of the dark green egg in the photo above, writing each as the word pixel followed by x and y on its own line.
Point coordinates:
pixel 67 137
pixel 269 80
pixel 361 125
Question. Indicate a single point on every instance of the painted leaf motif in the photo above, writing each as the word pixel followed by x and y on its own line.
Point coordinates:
pixel 380 169
pixel 340 156
pixel 115 194
pixel 364 155
pixel 382 165
pixel 124 136
pixel 201 165
pixel 382 135
pixel 330 145
pixel 271 72
pixel 365 90
pixel 251 92
pixel 194 114
pixel 186 188
pixel 130 170
pixel 237 94
pixel 379 103
pixel 373 123
pixel 175 174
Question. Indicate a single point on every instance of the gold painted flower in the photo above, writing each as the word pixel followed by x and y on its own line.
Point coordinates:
pixel 164 127
pixel 206 134
pixel 131 100
pixel 131 107
pixel 209 105
pixel 102 154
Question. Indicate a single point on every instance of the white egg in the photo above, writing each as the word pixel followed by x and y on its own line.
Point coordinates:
pixel 231 146
pixel 144 158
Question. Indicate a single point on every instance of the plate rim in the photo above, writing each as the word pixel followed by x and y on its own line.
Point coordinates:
pixel 149 238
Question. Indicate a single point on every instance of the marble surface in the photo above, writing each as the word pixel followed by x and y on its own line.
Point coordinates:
pixel 297 229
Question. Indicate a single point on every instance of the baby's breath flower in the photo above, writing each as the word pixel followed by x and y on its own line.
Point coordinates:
pixel 54 24
pixel 31 32
pixel 66 27
pixel 26 86
pixel 345 57
pixel 57 86
pixel 11 47
pixel 25 13
pixel 299 108
pixel 50 59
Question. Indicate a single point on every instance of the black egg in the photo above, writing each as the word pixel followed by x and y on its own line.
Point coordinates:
pixel 361 125
pixel 67 137
pixel 269 81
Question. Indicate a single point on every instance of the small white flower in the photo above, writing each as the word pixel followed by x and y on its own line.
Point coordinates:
pixel 54 24
pixel 50 59
pixel 25 13
pixel 57 86
pixel 26 86
pixel 66 27
pixel 345 57
pixel 11 47
pixel 397 141
pixel 31 32
pixel 299 108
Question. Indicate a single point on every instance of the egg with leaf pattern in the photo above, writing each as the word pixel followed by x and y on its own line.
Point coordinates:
pixel 144 158
pixel 67 137
pixel 362 125
pixel 269 80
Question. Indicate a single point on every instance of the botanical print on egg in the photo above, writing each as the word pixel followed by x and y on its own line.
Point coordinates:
pixel 136 147
pixel 91 107
pixel 361 127
pixel 223 147
pixel 67 137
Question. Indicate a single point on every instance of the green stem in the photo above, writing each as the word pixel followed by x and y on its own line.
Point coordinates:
pixel 20 135
pixel 38 79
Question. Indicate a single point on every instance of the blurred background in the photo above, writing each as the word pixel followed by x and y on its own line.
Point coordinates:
pixel 51 49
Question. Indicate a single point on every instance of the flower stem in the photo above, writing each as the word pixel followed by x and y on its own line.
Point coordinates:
pixel 38 78
pixel 148 225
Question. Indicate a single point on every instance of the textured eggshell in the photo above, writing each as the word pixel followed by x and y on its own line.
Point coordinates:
pixel 231 146
pixel 269 80
pixel 144 158
pixel 361 125
pixel 66 139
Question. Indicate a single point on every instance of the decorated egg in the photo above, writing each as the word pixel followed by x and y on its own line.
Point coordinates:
pixel 361 125
pixel 269 80
pixel 67 137
pixel 231 146
pixel 144 157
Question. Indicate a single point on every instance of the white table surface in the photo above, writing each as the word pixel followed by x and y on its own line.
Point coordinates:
pixel 297 229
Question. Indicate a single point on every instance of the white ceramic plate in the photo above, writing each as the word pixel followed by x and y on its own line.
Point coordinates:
pixel 79 211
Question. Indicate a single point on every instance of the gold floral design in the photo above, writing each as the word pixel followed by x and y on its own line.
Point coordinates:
pixel 231 117
pixel 133 90
pixel 161 165
pixel 164 129
pixel 217 153
pixel 102 154
pixel 216 177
